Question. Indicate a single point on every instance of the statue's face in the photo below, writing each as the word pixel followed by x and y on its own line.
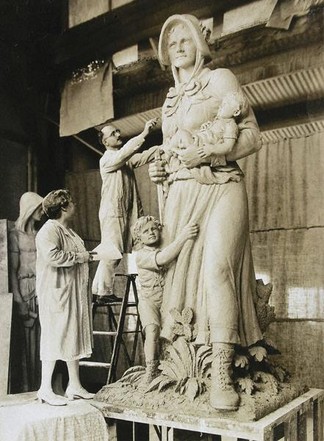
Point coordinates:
pixel 150 234
pixel 181 47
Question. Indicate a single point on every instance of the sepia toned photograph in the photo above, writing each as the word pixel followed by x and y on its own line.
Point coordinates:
pixel 161 220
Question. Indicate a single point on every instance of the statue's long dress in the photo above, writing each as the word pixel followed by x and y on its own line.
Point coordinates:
pixel 214 274
pixel 25 362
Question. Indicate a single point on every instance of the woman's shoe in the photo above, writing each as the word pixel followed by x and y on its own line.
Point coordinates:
pixel 51 398
pixel 77 393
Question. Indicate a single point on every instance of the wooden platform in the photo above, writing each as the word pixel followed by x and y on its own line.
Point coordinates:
pixel 288 422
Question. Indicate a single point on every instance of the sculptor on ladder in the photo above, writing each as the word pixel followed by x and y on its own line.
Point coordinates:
pixel 119 205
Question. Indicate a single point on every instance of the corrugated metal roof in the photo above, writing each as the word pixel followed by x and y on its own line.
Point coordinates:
pixel 133 124
pixel 264 94
pixel 297 131
pixel 288 88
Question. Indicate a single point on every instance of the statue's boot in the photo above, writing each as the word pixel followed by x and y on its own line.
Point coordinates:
pixel 222 392
pixel 151 371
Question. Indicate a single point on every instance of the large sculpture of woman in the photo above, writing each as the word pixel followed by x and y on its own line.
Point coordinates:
pixel 214 274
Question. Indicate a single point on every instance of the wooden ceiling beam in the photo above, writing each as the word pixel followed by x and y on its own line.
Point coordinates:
pixel 122 27
pixel 252 54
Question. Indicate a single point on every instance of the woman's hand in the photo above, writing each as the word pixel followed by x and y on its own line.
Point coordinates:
pixel 82 257
pixel 157 171
pixel 190 157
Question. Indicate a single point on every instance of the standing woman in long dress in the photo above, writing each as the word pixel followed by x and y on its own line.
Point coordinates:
pixel 64 298
pixel 213 275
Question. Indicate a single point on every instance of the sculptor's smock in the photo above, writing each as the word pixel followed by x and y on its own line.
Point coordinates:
pixel 213 274
pixel 119 206
pixel 62 290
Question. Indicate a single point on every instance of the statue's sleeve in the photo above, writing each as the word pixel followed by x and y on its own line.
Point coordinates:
pixel 146 259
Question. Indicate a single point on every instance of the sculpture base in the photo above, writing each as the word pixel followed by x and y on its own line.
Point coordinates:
pixel 252 407
pixel 300 419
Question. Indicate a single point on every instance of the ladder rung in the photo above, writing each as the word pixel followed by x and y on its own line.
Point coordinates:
pixel 95 364
pixel 104 333
pixel 126 275
pixel 116 313
pixel 128 305
pixel 132 332
pixel 100 305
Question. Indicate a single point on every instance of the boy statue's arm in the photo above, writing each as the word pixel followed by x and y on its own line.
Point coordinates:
pixel 170 252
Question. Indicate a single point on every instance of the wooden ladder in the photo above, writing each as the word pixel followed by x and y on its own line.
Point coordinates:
pixel 116 315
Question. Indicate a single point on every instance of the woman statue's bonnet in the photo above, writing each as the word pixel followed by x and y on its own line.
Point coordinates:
pixel 193 25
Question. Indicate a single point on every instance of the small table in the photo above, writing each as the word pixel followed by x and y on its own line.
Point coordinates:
pixel 288 422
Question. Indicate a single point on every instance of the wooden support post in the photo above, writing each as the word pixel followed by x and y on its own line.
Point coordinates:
pixel 291 429
pixel 301 426
pixel 268 434
pixel 167 433
pixel 318 420
pixel 112 430
pixel 154 433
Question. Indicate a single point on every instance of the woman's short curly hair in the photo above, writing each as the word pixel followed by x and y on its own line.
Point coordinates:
pixel 138 227
pixel 55 201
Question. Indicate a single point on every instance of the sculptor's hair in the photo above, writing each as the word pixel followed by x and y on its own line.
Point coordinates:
pixel 138 227
pixel 101 133
pixel 55 201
